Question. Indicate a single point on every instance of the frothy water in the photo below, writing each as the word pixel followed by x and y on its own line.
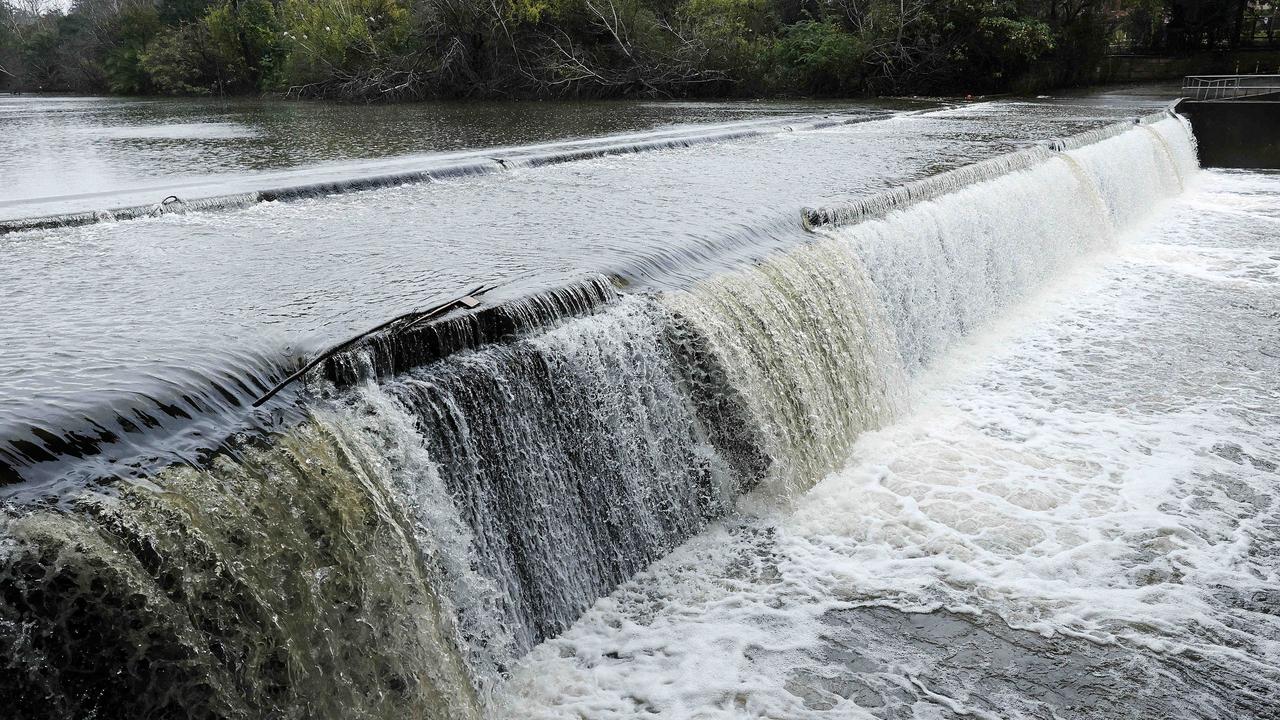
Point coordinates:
pixel 1075 518
pixel 1006 450
pixel 282 579
pixel 565 502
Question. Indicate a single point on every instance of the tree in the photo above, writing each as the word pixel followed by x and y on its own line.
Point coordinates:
pixel 380 50
pixel 125 74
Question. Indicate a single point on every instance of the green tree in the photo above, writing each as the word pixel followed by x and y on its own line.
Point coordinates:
pixel 814 57
pixel 123 64
pixel 737 34
pixel 185 60
pixel 248 37
pixel 352 48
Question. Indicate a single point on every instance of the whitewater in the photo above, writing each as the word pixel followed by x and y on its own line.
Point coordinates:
pixel 1073 515
pixel 1000 442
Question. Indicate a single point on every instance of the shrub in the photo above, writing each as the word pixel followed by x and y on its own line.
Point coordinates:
pixel 185 61
pixel 736 34
pixel 342 40
pixel 818 58
pixel 123 65
pixel 247 38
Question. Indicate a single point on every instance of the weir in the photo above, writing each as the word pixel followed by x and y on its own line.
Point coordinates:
pixel 454 492
pixel 443 168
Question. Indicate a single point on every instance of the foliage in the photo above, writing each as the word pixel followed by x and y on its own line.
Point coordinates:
pixel 123 64
pixel 248 40
pixel 819 58
pixel 375 50
pixel 737 33
pixel 341 44
pixel 184 60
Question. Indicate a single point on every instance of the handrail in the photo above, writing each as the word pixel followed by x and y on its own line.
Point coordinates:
pixel 1240 75
pixel 1229 87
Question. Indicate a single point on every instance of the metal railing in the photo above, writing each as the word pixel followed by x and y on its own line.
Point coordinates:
pixel 1230 87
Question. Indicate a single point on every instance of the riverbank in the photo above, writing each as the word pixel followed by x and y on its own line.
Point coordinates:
pixel 394 50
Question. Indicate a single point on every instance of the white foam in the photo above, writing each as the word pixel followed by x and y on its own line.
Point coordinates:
pixel 1099 464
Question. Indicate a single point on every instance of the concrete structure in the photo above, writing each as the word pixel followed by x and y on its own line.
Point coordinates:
pixel 1236 120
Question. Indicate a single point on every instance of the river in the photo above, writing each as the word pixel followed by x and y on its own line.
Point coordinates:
pixel 994 435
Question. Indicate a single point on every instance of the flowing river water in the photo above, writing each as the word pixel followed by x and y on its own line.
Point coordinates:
pixel 995 440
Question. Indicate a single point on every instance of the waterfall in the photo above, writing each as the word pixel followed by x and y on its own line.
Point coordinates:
pixel 400 348
pixel 580 455
pixel 458 491
pixel 943 267
pixel 804 344
pixel 277 580
pixel 1135 170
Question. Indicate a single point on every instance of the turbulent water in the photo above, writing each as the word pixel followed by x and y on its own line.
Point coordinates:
pixel 1004 446
pixel 1076 516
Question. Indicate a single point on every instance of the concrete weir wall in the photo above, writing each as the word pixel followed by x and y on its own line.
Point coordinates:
pixel 1236 133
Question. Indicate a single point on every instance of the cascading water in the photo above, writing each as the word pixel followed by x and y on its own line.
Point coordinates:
pixel 806 348
pixel 580 455
pixel 944 267
pixel 1074 517
pixel 475 486
pixel 810 336
pixel 280 580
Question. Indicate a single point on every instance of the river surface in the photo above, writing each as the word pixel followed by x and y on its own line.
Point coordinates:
pixel 106 317
pixel 69 154
pixel 998 437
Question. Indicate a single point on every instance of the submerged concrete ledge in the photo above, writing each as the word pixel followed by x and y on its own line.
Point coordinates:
pixel 928 188
pixel 480 162
pixel 935 186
